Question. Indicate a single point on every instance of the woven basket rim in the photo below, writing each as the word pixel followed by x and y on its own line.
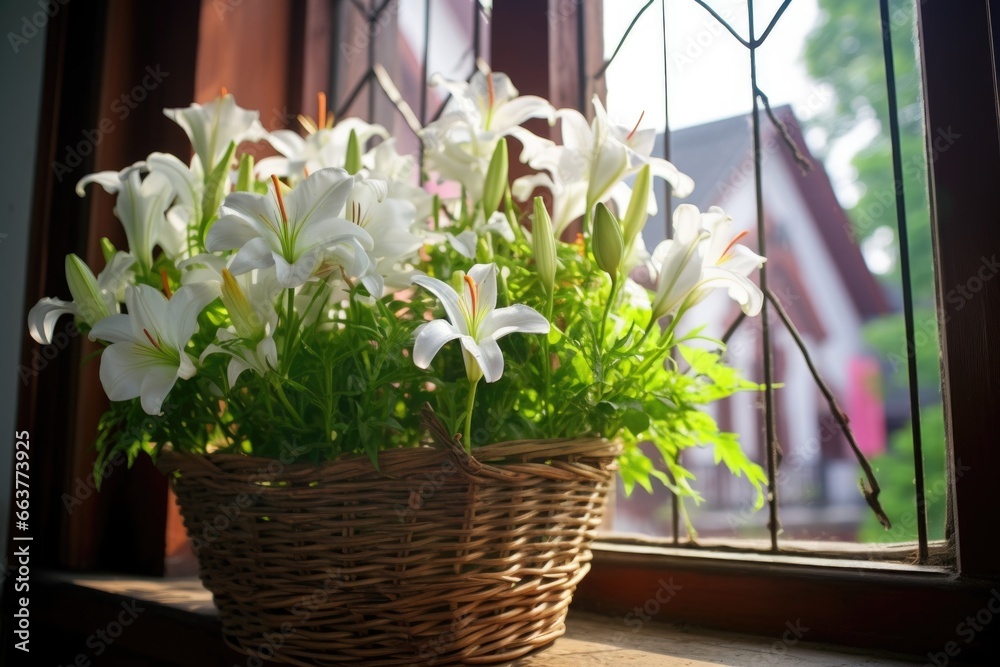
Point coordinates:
pixel 495 460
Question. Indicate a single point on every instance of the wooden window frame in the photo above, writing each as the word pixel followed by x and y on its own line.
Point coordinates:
pixel 863 604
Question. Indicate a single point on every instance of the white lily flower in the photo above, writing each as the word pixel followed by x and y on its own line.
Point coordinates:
pixel 619 151
pixel 728 264
pixel 467 241
pixel 473 319
pixel 188 182
pixel 147 353
pixel 292 232
pixel 460 144
pixel 386 219
pixel 250 302
pixel 590 165
pixel 321 149
pixel 141 205
pixel 211 127
pixel 702 256
pixel 678 262
pixel 566 180
pixel 93 298
pixel 385 162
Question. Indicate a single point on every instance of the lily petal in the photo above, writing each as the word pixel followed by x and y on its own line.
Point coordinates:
pixel 43 316
pixel 229 231
pixel 487 355
pixel 512 319
pixel 255 254
pixel 447 296
pixel 430 338
pixel 156 384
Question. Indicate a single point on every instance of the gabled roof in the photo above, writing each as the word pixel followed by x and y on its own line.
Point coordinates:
pixel 719 153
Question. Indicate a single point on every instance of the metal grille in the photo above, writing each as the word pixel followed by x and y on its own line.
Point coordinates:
pixel 375 81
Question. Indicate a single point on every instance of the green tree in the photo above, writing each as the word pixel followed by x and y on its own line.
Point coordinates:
pixel 845 50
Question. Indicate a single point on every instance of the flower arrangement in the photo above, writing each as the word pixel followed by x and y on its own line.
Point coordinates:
pixel 314 301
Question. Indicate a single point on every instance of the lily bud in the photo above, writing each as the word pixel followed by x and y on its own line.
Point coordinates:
pixel 86 293
pixel 107 249
pixel 496 178
pixel 352 163
pixel 244 179
pixel 635 215
pixel 543 240
pixel 241 312
pixel 608 245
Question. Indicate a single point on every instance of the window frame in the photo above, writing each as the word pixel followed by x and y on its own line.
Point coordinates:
pixel 851 602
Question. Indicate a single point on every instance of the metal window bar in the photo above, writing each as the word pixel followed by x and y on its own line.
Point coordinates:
pixel 372 14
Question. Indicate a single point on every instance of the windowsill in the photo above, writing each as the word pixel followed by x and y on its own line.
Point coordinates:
pixel 180 604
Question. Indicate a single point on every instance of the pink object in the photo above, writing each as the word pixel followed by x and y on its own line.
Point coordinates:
pixel 866 406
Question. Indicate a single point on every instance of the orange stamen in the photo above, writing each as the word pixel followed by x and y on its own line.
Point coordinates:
pixel 281 202
pixel 727 253
pixel 489 88
pixel 155 344
pixel 223 91
pixel 166 283
pixel 632 133
pixel 472 293
pixel 321 116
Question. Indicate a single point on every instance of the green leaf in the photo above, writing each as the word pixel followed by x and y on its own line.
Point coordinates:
pixel 636 421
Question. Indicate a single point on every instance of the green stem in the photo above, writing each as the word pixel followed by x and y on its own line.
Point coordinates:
pixel 287 404
pixel 607 313
pixel 547 369
pixel 666 340
pixel 468 416
pixel 290 331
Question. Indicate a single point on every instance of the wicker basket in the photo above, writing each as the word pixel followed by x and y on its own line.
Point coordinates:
pixel 437 558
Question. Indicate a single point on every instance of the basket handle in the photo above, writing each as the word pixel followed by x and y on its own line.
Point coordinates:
pixel 467 464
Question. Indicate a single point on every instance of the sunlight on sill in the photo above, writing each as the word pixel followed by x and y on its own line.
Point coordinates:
pixel 884 557
pixel 591 640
